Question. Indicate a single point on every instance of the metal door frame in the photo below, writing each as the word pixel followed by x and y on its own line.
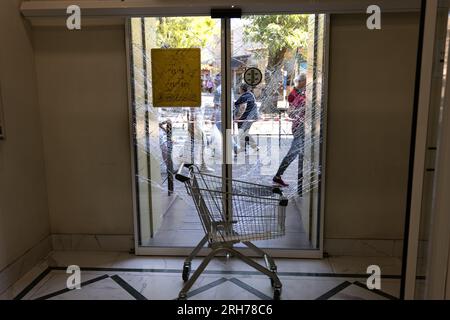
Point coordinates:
pixel 227 166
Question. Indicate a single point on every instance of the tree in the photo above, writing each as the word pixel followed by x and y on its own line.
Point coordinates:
pixel 185 32
pixel 278 34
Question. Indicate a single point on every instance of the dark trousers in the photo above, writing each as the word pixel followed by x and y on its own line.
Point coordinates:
pixel 296 149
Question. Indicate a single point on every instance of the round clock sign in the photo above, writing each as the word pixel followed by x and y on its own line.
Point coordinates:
pixel 252 76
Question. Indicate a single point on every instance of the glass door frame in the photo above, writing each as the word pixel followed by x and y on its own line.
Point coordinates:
pixel 226 154
pixel 435 276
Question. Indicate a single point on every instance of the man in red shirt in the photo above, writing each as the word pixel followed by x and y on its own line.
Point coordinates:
pixel 296 112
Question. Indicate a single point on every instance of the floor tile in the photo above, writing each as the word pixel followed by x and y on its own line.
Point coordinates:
pixel 57 281
pixel 354 292
pixel 106 289
pixel 83 258
pixel 125 276
pixel 358 265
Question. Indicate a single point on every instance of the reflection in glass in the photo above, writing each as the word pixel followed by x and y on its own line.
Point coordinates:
pixel 278 122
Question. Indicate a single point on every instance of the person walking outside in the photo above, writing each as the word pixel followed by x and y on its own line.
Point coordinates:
pixel 245 118
pixel 296 112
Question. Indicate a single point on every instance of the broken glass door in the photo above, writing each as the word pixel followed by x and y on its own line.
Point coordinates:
pixel 277 104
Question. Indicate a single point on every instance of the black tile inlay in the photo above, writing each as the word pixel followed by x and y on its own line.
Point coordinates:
pixel 334 291
pixel 128 288
pixel 57 293
pixel 206 287
pixel 250 273
pixel 250 289
pixel 295 274
pixel 33 283
pixel 379 292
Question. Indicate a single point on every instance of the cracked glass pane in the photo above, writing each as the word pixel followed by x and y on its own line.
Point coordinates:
pixel 276 132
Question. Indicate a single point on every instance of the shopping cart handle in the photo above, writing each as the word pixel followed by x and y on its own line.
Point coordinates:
pixel 181 173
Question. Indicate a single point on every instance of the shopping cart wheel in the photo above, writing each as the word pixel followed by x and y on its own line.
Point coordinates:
pixel 182 296
pixel 277 294
pixel 186 271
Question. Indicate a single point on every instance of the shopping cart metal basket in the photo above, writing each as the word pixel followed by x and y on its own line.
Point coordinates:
pixel 233 211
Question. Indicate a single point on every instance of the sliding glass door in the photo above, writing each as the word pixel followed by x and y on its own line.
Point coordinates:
pixel 166 137
pixel 277 62
pixel 260 117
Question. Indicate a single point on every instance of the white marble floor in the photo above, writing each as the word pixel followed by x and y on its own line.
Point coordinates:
pixel 121 276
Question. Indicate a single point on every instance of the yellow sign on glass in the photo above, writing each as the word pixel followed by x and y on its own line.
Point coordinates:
pixel 176 77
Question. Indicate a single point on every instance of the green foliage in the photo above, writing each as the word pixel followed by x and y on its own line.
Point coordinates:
pixel 277 32
pixel 185 32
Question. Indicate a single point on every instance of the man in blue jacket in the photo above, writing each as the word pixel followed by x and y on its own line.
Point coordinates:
pixel 247 117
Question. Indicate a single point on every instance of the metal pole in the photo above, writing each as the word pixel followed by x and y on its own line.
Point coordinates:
pixel 169 157
pixel 147 120
pixel 227 119
pixel 279 131
pixel 191 134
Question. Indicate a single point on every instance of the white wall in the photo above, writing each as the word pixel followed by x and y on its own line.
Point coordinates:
pixel 371 88
pixel 82 83
pixel 24 221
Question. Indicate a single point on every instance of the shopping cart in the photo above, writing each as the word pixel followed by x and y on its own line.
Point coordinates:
pixel 233 211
